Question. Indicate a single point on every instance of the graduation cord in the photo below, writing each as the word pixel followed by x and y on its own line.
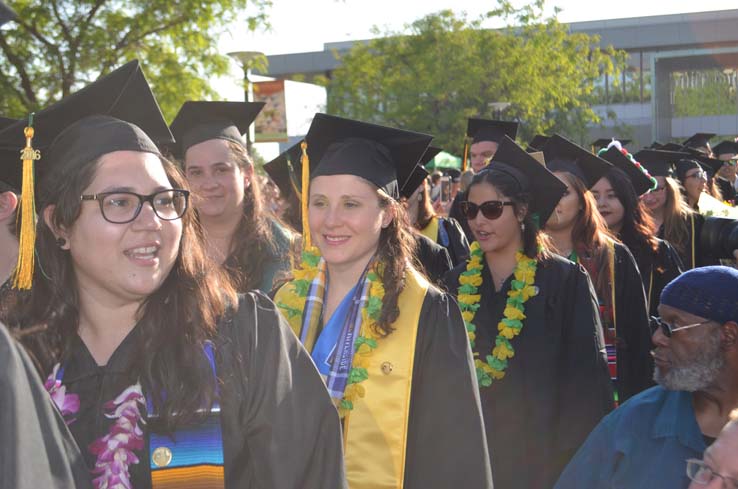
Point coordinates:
pixel 691 219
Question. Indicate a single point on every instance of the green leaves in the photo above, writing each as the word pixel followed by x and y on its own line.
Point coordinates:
pixel 60 45
pixel 444 68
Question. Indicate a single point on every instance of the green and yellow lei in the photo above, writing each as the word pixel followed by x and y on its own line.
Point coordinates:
pixel 293 304
pixel 522 288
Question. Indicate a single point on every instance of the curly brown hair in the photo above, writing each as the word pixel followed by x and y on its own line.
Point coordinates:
pixel 174 321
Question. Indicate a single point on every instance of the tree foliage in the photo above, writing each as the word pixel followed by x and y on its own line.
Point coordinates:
pixel 444 68
pixel 58 46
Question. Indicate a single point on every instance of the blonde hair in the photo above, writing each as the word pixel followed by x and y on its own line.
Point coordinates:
pixel 676 216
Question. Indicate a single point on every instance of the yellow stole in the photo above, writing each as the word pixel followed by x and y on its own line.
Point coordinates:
pixel 375 431
pixel 431 230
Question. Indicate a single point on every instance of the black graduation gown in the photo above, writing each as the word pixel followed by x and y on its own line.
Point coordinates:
pixel 432 257
pixel 458 245
pixel 657 270
pixel 727 190
pixel 446 446
pixel 280 428
pixel 701 258
pixel 36 449
pixel 635 364
pixel 455 213
pixel 556 387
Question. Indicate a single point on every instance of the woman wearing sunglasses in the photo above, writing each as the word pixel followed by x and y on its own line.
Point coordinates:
pixel 579 233
pixel 673 219
pixel 533 324
pixel 627 218
pixel 391 348
pixel 162 372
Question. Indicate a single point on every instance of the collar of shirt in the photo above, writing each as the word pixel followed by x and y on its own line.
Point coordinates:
pixel 676 419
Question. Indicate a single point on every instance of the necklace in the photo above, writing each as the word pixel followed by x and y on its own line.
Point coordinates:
pixel 114 450
pixel 292 304
pixel 522 288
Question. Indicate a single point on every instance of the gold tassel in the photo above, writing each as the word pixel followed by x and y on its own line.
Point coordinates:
pixel 23 277
pixel 305 161
pixel 466 155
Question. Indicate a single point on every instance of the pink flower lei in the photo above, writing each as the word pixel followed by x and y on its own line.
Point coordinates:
pixel 115 450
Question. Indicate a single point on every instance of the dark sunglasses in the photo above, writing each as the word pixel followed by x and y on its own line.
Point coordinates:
pixel 492 209
pixel 668 329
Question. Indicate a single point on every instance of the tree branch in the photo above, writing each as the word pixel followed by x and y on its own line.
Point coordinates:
pixel 19 65
pixel 65 29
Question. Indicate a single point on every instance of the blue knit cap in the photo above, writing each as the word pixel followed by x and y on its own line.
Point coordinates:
pixel 707 292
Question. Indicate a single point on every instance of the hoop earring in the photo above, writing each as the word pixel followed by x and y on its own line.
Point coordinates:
pixel 522 226
pixel 61 242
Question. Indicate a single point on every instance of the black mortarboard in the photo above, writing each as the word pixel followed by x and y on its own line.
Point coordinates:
pixel 671 147
pixel 116 112
pixel 490 130
pixel 659 163
pixel 285 171
pixel 699 140
pixel 11 168
pixel 642 183
pixel 200 121
pixel 6 121
pixel 538 142
pixel 563 155
pixel 382 155
pixel 6 14
pixel 725 147
pixel 655 145
pixel 604 142
pixel 544 188
pixel 419 172
pixel 683 166
pixel 710 165
pixel 454 174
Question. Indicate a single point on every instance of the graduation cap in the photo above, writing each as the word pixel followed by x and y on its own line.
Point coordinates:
pixel 672 147
pixel 490 130
pixel 454 174
pixel 544 188
pixel 117 112
pixel 655 145
pixel 659 163
pixel 642 182
pixel 6 14
pixel 725 148
pixel 382 155
pixel 285 170
pixel 564 155
pixel 199 121
pixel 699 140
pixel 538 142
pixel 419 172
pixel 10 168
pixel 604 142
pixel 710 165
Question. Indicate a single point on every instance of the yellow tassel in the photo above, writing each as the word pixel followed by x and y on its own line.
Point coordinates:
pixel 466 155
pixel 23 277
pixel 304 195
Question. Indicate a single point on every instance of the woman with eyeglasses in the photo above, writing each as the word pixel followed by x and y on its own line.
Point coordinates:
pixel 248 240
pixel 161 371
pixel 627 218
pixel 533 323
pixel 673 219
pixel 579 233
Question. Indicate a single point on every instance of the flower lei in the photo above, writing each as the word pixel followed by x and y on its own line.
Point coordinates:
pixel 293 305
pixel 522 289
pixel 115 450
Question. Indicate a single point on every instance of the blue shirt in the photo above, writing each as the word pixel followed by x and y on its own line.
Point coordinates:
pixel 642 444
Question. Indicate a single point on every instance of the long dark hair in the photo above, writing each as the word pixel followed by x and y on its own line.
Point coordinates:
pixel 590 237
pixel 637 229
pixel 253 245
pixel 174 321
pixel 536 244
pixel 425 208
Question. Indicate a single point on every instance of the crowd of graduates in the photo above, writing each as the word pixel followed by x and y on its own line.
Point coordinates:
pixel 553 316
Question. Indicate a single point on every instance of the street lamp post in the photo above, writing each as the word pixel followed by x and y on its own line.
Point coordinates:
pixel 246 60
pixel 498 108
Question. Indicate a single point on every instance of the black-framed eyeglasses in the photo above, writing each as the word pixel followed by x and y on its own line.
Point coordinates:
pixel 699 472
pixel 123 207
pixel 492 209
pixel 668 329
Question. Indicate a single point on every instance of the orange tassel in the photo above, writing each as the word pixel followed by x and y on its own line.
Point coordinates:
pixel 23 276
pixel 466 155
pixel 304 195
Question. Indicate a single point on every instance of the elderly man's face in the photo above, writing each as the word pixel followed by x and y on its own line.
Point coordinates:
pixel 720 458
pixel 691 359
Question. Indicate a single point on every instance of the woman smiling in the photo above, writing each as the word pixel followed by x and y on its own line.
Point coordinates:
pixel 391 348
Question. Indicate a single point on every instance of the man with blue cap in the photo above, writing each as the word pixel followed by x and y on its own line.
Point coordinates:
pixel 645 442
